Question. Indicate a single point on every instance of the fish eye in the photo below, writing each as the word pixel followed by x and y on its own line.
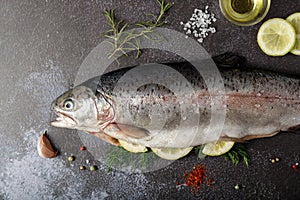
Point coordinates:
pixel 68 104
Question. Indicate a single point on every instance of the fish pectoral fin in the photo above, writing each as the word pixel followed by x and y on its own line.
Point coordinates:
pixel 106 138
pixel 126 130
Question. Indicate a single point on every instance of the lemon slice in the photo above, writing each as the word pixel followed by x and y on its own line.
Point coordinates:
pixel 171 153
pixel 134 148
pixel 294 19
pixel 276 37
pixel 217 148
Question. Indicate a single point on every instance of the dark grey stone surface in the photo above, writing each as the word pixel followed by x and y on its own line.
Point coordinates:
pixel 42 45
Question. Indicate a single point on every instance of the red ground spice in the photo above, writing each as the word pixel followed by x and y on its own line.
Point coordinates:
pixel 196 178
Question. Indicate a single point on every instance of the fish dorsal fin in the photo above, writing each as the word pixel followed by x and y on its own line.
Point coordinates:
pixel 229 60
pixel 125 131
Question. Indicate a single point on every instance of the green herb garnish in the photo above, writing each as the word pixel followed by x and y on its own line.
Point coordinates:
pixel 198 151
pixel 236 153
pixel 158 20
pixel 118 157
pixel 122 40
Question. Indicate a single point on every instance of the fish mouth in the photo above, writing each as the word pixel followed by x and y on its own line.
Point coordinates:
pixel 63 120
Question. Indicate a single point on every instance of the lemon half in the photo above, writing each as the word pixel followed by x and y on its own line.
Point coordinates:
pixel 276 37
pixel 294 19
pixel 217 148
pixel 171 153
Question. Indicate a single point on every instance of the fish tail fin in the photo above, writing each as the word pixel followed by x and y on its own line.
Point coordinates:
pixel 229 60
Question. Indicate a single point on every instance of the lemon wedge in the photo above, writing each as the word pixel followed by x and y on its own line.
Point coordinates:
pixel 171 153
pixel 294 19
pixel 134 148
pixel 276 37
pixel 217 148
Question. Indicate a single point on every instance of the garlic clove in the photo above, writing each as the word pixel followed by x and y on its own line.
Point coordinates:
pixel 45 148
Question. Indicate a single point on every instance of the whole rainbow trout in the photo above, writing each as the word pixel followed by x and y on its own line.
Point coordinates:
pixel 255 104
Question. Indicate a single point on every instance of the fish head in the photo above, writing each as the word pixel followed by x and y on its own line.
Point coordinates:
pixel 80 108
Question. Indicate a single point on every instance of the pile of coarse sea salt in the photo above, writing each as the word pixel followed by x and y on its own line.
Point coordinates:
pixel 199 24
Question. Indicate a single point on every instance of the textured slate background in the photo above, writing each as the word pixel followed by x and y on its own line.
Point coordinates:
pixel 42 46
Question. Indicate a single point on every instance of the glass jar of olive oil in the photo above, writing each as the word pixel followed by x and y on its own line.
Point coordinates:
pixel 244 12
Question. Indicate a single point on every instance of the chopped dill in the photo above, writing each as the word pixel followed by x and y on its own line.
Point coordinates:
pixel 122 40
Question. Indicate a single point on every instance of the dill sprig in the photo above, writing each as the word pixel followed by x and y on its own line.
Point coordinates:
pixel 119 157
pixel 236 153
pixel 122 40
pixel 198 151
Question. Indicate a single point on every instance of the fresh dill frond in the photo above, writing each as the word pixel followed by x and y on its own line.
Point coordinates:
pixel 113 156
pixel 123 41
pixel 198 151
pixel 236 153
pixel 118 157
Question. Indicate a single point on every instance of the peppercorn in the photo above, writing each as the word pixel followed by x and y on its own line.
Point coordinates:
pixel 71 158
pixel 294 166
pixel 82 148
pixel 236 187
pixel 93 168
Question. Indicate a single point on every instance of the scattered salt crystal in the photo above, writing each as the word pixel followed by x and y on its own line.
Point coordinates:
pixel 199 24
pixel 200 40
